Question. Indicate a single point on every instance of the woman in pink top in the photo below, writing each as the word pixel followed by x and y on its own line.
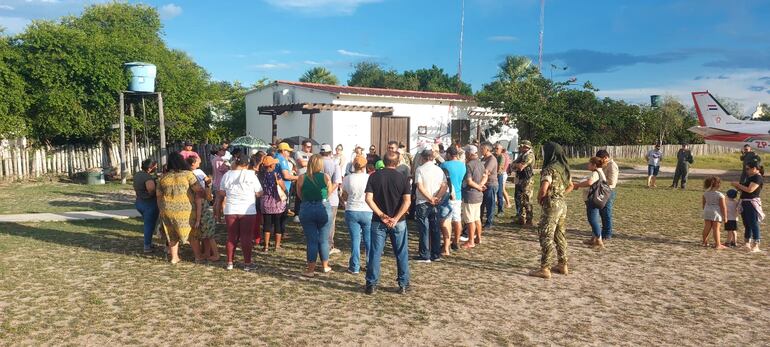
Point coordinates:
pixel 218 167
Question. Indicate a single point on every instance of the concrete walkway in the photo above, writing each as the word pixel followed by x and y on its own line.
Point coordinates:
pixel 67 216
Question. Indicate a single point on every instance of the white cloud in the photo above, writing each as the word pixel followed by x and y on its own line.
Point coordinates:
pixel 354 54
pixel 169 11
pixel 321 7
pixel 311 62
pixel 270 66
pixel 503 38
pixel 14 25
pixel 7 7
pixel 741 87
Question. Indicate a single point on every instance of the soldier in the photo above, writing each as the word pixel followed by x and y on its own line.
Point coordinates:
pixel 522 166
pixel 555 183
pixel 683 161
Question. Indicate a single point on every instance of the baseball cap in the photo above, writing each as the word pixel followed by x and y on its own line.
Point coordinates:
pixel 471 149
pixel 525 143
pixel 326 148
pixel 358 146
pixel 379 165
pixel 283 146
pixel 269 161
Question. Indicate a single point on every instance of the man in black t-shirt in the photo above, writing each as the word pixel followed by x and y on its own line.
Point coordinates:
pixel 388 195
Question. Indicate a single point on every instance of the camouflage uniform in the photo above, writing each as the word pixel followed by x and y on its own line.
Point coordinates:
pixel 525 181
pixel 552 227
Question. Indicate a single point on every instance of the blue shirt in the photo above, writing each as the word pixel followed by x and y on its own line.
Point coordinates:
pixel 456 170
pixel 283 164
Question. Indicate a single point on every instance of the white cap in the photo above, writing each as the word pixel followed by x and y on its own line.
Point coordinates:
pixel 326 148
pixel 358 146
pixel 471 149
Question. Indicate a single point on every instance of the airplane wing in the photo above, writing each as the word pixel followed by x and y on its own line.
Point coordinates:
pixel 727 135
pixel 709 131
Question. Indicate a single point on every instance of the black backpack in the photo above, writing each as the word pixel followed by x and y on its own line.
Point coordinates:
pixel 599 193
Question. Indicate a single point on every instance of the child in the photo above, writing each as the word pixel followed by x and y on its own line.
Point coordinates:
pixel 207 227
pixel 731 226
pixel 714 210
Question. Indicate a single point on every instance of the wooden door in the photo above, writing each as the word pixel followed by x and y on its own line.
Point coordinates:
pixel 386 129
pixel 461 130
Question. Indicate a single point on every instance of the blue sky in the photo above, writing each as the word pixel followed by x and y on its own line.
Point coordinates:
pixel 628 49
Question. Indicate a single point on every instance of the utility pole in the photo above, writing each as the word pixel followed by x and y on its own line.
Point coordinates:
pixel 460 63
pixel 542 29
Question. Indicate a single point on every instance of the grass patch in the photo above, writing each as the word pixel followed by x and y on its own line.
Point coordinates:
pixel 64 197
pixel 719 162
pixel 88 282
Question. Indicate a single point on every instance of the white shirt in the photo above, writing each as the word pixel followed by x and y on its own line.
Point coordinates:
pixel 355 186
pixel 612 174
pixel 654 157
pixel 201 176
pixel 592 178
pixel 431 177
pixel 241 188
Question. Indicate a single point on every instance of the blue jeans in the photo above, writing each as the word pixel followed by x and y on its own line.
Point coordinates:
pixel 606 214
pixel 500 190
pixel 149 211
pixel 314 217
pixel 750 221
pixel 359 224
pixel 594 220
pixel 429 229
pixel 400 243
pixel 488 205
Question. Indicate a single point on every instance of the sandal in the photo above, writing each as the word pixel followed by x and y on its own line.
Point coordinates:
pixel 328 270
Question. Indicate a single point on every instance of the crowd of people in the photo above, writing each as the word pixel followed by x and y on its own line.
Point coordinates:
pixel 452 195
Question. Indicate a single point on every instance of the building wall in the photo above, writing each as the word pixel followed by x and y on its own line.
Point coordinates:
pixel 436 115
pixel 290 123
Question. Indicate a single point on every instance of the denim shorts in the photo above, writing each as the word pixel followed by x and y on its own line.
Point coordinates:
pixel 653 170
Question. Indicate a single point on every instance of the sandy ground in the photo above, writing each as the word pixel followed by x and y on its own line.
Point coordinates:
pixel 87 283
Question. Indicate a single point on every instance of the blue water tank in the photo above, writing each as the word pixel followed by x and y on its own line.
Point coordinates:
pixel 142 77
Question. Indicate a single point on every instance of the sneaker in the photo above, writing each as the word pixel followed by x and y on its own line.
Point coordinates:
pixel 148 249
pixel 249 267
pixel 296 219
pixel 334 251
pixel 436 259
pixel 328 270
pixel 421 260
pixel 463 238
pixel 229 266
pixel 370 289
pixel 455 247
pixel 404 290
pixel 353 272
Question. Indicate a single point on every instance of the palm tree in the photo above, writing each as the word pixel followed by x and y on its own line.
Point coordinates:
pixel 319 75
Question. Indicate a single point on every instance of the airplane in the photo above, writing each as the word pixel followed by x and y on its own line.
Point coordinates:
pixel 720 128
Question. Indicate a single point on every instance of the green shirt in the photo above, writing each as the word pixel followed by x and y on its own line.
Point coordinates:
pixel 314 189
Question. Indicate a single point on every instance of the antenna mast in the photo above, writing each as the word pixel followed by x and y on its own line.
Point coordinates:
pixel 542 29
pixel 460 63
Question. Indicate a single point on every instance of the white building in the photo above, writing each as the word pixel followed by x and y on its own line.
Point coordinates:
pixel 417 117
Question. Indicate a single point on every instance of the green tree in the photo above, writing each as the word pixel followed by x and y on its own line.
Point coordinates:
pixel 13 97
pixel 319 75
pixel 228 109
pixel 74 71
pixel 435 79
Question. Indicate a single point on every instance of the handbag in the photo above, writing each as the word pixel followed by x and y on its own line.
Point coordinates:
pixel 281 194
pixel 599 193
